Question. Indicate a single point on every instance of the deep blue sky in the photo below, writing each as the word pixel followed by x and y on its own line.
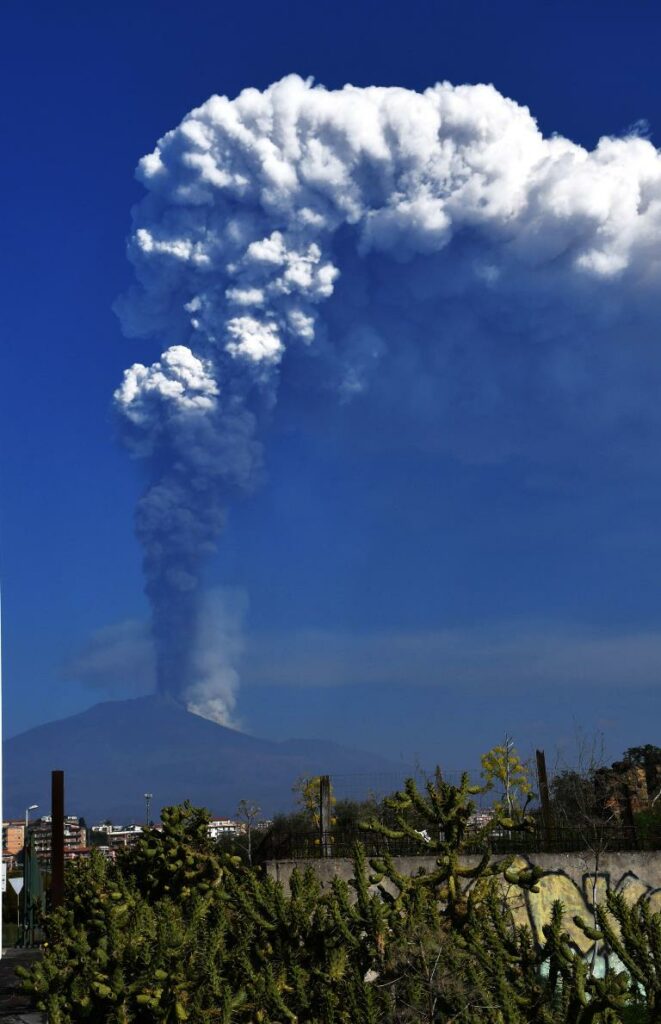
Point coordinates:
pixel 342 541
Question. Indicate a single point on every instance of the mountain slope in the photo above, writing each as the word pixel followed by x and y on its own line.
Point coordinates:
pixel 116 751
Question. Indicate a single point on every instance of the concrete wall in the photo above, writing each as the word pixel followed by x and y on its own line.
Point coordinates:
pixel 571 877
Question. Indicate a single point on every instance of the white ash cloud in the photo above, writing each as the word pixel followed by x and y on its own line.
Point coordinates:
pixel 217 652
pixel 247 197
pixel 120 660
pixel 435 249
pixel 152 397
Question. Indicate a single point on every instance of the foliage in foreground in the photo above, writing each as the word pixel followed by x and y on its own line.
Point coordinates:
pixel 177 932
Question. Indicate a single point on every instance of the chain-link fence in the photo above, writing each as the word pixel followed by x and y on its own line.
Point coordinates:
pixel 287 845
pixel 359 798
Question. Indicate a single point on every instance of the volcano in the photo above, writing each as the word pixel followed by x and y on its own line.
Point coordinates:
pixel 115 752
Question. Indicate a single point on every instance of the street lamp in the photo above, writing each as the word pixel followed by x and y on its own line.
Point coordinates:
pixel 32 807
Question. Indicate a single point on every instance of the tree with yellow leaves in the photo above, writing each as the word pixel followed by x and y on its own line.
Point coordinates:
pixel 502 768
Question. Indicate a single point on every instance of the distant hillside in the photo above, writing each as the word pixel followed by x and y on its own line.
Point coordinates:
pixel 116 751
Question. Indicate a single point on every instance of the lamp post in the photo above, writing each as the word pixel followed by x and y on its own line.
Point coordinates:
pixel 32 807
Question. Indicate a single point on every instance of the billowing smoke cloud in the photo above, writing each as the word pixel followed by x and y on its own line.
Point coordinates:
pixel 120 660
pixel 200 448
pixel 217 651
pixel 434 249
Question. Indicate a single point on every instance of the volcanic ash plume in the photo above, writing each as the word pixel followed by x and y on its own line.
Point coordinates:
pixel 200 448
pixel 431 243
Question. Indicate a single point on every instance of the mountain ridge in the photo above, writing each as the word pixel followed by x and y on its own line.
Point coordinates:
pixel 115 751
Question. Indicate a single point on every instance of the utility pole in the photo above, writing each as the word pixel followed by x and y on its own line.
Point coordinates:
pixel 148 799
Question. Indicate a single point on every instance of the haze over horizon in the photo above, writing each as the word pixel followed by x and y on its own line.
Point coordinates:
pixel 391 383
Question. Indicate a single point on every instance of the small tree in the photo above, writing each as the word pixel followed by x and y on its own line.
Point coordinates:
pixel 503 768
pixel 308 798
pixel 248 813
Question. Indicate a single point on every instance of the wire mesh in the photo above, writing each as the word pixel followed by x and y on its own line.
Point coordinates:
pixel 287 845
pixel 375 786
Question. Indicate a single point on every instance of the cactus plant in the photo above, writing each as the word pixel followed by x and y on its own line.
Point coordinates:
pixel 175 933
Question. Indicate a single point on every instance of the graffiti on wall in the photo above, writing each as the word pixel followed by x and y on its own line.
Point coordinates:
pixel 577 897
pixel 574 884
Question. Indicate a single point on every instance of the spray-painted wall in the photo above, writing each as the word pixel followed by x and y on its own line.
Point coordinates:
pixel 573 878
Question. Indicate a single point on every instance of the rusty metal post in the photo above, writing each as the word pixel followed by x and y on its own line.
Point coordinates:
pixel 57 839
pixel 544 797
pixel 325 815
pixel 629 818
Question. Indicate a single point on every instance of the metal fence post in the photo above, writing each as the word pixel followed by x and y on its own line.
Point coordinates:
pixel 544 797
pixel 325 816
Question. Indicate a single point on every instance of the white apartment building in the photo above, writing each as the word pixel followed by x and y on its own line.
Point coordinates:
pixel 219 827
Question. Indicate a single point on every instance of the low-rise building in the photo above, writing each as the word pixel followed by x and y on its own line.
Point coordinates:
pixel 123 835
pixel 104 829
pixel 219 828
pixel 114 837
